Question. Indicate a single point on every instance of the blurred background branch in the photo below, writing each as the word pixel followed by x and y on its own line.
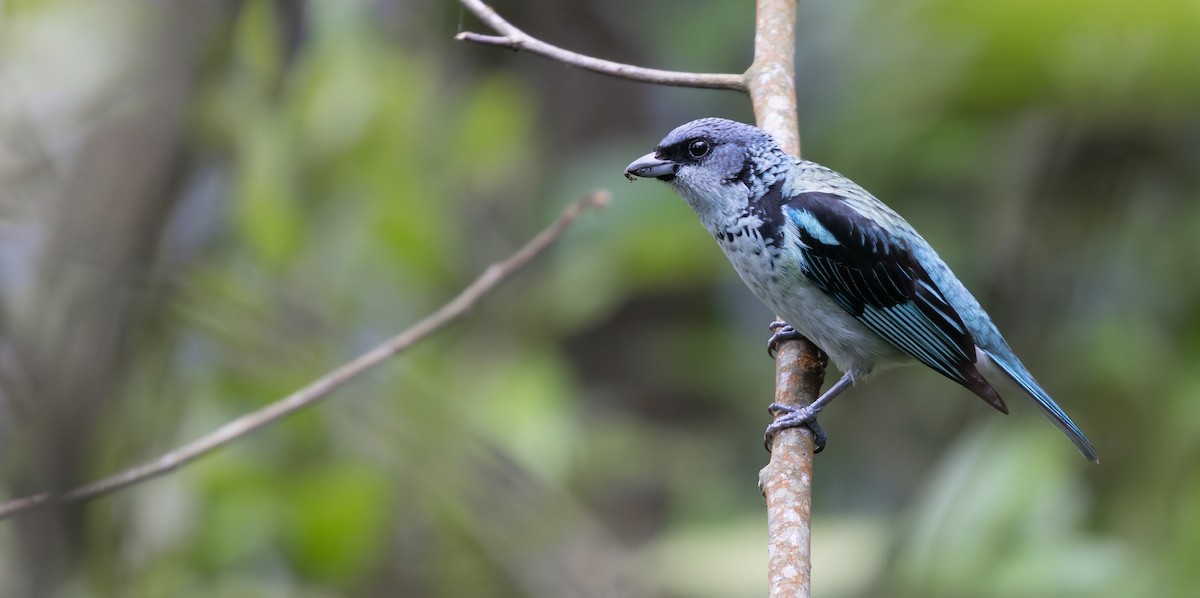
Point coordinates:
pixel 76 310
pixel 326 384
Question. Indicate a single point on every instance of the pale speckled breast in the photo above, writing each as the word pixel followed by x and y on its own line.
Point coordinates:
pixel 776 279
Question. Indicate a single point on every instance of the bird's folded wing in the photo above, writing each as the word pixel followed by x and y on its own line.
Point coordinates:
pixel 875 276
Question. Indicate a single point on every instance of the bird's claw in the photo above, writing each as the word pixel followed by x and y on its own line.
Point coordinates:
pixel 794 417
pixel 783 332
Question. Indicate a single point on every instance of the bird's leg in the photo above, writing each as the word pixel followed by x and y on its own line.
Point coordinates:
pixel 804 416
pixel 783 332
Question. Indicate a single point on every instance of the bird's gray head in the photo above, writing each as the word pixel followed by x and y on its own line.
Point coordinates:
pixel 705 156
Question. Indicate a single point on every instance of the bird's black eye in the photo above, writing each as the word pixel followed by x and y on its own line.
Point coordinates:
pixel 699 148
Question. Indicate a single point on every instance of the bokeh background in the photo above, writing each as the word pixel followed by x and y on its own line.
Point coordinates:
pixel 206 204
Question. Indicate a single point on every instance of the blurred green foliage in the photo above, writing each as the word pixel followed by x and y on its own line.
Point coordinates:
pixel 593 428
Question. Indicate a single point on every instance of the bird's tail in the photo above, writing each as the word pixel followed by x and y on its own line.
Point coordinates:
pixel 1013 368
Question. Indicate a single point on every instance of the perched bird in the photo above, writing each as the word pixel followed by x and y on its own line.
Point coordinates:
pixel 841 267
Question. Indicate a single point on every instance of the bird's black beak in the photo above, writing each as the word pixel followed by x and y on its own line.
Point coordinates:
pixel 651 166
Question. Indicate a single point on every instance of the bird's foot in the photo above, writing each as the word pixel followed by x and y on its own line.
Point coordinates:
pixel 783 332
pixel 794 417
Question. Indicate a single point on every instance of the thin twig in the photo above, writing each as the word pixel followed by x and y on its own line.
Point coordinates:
pixel 323 386
pixel 512 37
pixel 786 481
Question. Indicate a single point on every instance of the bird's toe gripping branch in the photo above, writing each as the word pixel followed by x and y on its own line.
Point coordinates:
pixel 805 416
pixel 794 417
pixel 783 332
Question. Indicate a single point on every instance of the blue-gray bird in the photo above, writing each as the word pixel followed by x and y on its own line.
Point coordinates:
pixel 841 267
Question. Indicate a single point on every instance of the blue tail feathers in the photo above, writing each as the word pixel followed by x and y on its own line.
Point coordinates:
pixel 1017 372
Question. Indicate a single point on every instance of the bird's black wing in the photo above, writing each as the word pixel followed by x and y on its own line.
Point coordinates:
pixel 876 277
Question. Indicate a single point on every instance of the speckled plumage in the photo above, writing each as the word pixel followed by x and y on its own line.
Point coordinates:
pixel 840 266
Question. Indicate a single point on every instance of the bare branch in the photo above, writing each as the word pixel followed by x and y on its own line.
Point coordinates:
pixel 515 39
pixel 323 386
pixel 771 79
pixel 786 481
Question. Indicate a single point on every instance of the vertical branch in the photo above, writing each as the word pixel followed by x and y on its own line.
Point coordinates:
pixel 800 367
pixel 786 481
pixel 771 79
